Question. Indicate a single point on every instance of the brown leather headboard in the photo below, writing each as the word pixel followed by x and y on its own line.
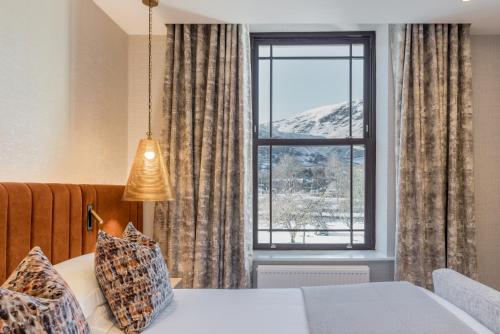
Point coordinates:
pixel 54 217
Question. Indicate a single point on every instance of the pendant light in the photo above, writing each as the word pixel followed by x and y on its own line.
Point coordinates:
pixel 148 179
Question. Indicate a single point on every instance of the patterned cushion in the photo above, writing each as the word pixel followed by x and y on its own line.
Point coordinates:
pixel 134 278
pixel 35 299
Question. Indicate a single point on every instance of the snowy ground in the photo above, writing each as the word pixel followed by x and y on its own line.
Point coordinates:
pixel 309 211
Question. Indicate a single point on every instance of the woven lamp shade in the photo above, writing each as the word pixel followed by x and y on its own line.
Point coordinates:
pixel 148 179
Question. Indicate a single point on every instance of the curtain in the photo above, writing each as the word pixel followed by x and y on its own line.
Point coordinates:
pixel 206 231
pixel 435 192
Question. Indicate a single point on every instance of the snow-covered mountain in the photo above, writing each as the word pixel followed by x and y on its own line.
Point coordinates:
pixel 330 121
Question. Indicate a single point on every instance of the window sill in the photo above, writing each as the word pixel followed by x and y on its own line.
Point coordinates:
pixel 269 256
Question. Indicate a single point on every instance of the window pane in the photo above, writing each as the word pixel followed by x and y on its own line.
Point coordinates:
pixel 302 237
pixel 312 196
pixel 358 187
pixel 287 237
pixel 311 50
pixel 328 237
pixel 263 237
pixel 310 187
pixel 358 50
pixel 264 97
pixel 263 189
pixel 357 98
pixel 358 237
pixel 311 98
pixel 264 51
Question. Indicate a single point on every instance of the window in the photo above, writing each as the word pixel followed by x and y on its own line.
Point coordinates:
pixel 313 140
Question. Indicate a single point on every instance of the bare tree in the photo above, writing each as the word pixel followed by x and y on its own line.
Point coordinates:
pixel 308 195
pixel 338 172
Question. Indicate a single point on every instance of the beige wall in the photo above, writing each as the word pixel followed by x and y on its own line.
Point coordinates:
pixel 63 88
pixel 486 91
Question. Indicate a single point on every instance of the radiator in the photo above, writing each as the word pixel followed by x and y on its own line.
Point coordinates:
pixel 296 276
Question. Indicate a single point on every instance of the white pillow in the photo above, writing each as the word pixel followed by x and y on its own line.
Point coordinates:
pixel 80 275
pixel 102 321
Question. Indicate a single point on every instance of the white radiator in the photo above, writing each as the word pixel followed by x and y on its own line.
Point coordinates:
pixel 296 276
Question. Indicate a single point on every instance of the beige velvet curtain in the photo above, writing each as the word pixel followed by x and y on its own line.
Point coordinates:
pixel 433 99
pixel 205 232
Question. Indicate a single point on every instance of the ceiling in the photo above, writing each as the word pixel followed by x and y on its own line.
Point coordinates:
pixel 131 15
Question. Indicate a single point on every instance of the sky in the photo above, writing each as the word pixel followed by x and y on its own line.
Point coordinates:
pixel 300 85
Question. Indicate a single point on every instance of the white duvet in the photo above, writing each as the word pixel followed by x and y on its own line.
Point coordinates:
pixel 208 311
pixel 252 311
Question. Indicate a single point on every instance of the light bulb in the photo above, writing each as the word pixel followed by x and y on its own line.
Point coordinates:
pixel 149 155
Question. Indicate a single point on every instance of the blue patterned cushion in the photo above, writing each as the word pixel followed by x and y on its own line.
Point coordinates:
pixel 478 300
pixel 36 299
pixel 134 278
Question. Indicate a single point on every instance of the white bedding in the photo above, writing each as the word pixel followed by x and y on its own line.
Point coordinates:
pixel 225 312
pixel 239 311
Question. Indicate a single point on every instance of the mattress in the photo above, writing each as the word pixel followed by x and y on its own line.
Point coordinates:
pixel 240 311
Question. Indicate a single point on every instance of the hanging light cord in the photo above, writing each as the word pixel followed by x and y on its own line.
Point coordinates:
pixel 150 133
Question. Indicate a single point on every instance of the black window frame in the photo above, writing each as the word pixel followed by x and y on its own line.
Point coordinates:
pixel 367 38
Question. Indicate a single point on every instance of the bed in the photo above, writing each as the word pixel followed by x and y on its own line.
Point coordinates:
pixel 55 218
pixel 245 312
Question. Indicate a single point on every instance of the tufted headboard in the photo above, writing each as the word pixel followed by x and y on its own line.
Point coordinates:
pixel 54 217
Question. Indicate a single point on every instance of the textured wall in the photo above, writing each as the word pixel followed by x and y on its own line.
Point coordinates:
pixel 486 91
pixel 99 76
pixel 63 87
